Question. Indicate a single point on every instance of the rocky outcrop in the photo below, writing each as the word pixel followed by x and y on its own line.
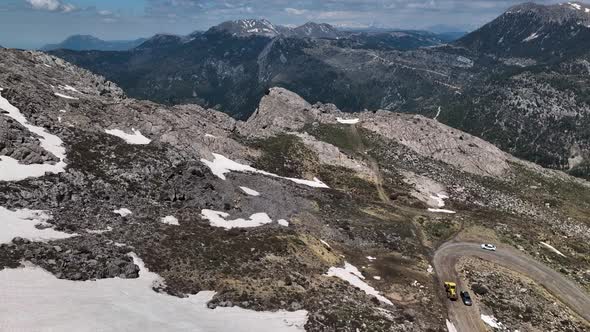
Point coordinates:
pixel 284 111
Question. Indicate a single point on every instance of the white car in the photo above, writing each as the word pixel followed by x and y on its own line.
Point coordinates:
pixel 487 246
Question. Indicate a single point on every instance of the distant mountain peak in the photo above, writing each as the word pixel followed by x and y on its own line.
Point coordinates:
pixel 535 31
pixel 563 12
pixel 89 42
pixel 248 27
pixel 317 30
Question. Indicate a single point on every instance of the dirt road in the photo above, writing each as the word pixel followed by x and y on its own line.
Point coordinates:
pixel 467 319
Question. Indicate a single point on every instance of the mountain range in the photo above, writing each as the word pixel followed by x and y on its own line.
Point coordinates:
pixel 88 43
pixel 515 82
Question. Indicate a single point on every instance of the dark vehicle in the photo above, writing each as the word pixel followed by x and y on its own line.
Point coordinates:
pixel 466 298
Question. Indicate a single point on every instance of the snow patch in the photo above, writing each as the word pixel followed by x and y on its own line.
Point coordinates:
pixel 124 212
pixel 347 121
pixel 552 248
pixel 439 201
pixel 371 258
pixel 136 138
pixel 575 6
pixel 325 243
pixel 170 220
pixel 218 219
pixel 122 305
pixel 354 277
pixel 210 136
pixel 283 222
pixel 65 96
pixel 430 269
pixel 441 211
pixel 22 223
pixel 249 191
pixel 377 277
pixel 11 169
pixel 69 88
pixel 222 165
pixel 99 231
pixel 451 327
pixel 491 321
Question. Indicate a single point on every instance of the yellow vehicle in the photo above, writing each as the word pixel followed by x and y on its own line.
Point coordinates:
pixel 451 289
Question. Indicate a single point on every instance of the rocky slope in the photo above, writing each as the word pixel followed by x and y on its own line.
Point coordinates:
pixel 302 207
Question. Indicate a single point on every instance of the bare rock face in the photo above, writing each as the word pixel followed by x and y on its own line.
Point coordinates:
pixel 279 111
pixel 329 154
pixel 17 143
pixel 284 111
pixel 432 139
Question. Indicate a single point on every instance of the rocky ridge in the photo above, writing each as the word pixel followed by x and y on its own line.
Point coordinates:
pixel 381 183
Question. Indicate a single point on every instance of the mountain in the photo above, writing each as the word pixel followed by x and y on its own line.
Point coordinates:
pixel 163 41
pixel 315 30
pixel 448 37
pixel 87 43
pixel 301 217
pixel 217 68
pixel 396 40
pixel 533 106
pixel 534 31
pixel 249 27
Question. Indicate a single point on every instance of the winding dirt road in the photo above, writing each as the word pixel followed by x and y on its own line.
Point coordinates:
pixel 467 319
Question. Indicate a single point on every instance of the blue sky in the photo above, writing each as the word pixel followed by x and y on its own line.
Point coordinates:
pixel 33 23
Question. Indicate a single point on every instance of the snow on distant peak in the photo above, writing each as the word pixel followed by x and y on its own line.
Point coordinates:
pixel 221 165
pixel 533 36
pixel 21 223
pixel 11 169
pixel 353 276
pixel 135 139
pixel 218 219
pixel 575 5
pixel 123 305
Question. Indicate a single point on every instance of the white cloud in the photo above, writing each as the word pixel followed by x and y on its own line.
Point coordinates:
pixel 51 5
pixel 294 11
pixel 105 12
